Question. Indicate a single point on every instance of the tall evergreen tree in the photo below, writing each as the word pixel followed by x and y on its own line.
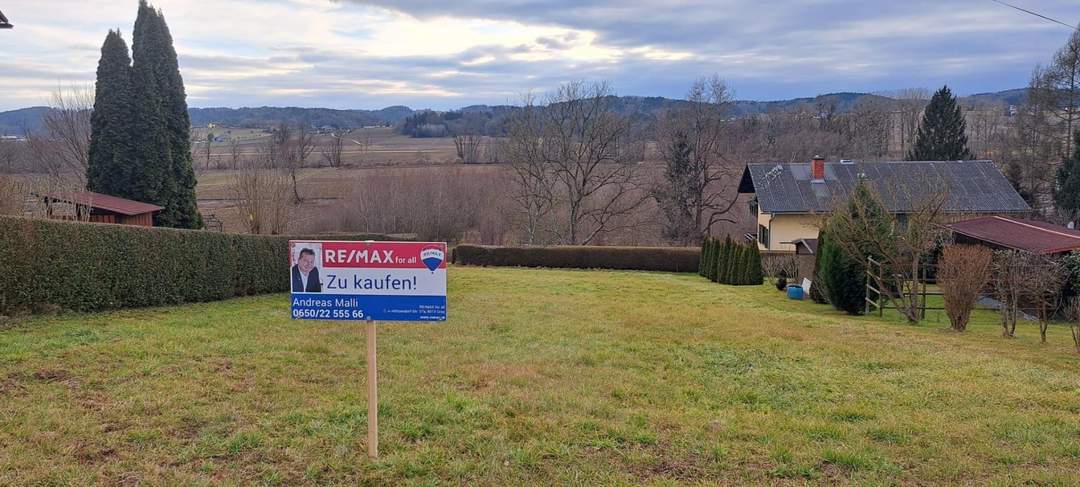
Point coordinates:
pixel 111 150
pixel 941 135
pixel 1067 195
pixel 163 140
pixel 152 151
pixel 757 274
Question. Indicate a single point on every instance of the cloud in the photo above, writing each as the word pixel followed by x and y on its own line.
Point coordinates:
pixel 363 54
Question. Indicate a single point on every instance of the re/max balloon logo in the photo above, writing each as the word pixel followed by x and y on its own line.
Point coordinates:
pixel 432 257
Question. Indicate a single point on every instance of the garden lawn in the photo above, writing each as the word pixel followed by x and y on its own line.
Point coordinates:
pixel 539 377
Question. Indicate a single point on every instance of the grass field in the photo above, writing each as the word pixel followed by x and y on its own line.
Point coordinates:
pixel 540 377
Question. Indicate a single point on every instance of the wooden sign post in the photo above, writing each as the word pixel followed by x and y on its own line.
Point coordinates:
pixel 372 392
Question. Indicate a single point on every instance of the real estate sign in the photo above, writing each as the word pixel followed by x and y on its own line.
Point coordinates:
pixel 398 281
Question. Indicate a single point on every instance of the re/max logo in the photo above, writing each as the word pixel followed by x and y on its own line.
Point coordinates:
pixel 342 256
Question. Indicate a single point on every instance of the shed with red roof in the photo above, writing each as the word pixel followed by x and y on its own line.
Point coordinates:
pixel 1002 232
pixel 97 207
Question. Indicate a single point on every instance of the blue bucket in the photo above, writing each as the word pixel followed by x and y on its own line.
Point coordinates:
pixel 795 292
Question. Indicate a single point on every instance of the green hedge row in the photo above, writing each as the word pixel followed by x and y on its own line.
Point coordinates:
pixel 667 259
pixel 728 262
pixel 88 266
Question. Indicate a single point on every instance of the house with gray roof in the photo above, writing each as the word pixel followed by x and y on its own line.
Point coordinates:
pixel 790 199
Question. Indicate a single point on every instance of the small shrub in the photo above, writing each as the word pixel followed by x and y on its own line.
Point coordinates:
pixel 962 273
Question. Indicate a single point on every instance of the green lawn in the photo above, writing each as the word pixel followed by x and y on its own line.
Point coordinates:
pixel 539 377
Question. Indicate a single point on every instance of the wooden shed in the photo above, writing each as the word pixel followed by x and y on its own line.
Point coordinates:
pixel 100 208
pixel 1000 232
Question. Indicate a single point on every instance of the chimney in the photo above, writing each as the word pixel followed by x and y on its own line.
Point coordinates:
pixel 817 169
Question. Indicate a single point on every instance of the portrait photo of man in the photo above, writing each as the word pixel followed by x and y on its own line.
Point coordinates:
pixel 305 273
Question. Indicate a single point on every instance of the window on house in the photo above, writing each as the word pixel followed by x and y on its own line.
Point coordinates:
pixel 763 235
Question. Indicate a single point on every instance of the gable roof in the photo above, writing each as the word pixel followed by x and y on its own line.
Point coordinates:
pixel 106 202
pixel 972 186
pixel 1019 234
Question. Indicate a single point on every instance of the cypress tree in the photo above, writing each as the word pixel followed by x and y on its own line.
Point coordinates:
pixel 703 264
pixel 151 148
pixel 739 277
pixel 757 274
pixel 163 141
pixel 718 261
pixel 701 255
pixel 1067 195
pixel 178 128
pixel 743 265
pixel 111 152
pixel 715 265
pixel 723 270
pixel 844 278
pixel 941 135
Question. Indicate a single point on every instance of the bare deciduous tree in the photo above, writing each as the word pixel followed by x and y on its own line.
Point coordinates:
pixel 700 182
pixel 534 191
pixel 468 147
pixel 1010 281
pixel 288 148
pixel 235 154
pixel 332 151
pixel 1072 313
pixel 1059 92
pixel 261 192
pixel 1046 275
pixel 579 140
pixel 62 148
pixel 13 194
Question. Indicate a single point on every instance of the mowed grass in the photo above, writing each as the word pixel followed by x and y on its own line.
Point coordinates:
pixel 540 377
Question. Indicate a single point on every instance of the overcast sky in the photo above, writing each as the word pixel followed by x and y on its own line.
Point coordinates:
pixel 447 54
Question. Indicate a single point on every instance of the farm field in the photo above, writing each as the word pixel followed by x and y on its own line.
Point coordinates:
pixel 539 377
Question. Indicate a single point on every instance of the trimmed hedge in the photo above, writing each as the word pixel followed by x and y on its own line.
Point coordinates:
pixel 668 259
pixel 91 266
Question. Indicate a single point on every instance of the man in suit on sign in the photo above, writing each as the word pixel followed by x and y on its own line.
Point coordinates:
pixel 305 276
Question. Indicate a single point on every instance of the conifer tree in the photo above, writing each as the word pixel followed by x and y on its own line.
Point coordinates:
pixel 738 266
pixel 111 152
pixel 941 135
pixel 715 266
pixel 151 148
pixel 744 274
pixel 163 141
pixel 1067 195
pixel 720 262
pixel 703 256
pixel 757 274
pixel 726 257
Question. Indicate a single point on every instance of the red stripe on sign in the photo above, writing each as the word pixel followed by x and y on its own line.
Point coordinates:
pixel 383 255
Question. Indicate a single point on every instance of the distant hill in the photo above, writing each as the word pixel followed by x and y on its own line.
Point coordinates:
pixel 18 122
pixel 640 107
pixel 1007 97
pixel 267 116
